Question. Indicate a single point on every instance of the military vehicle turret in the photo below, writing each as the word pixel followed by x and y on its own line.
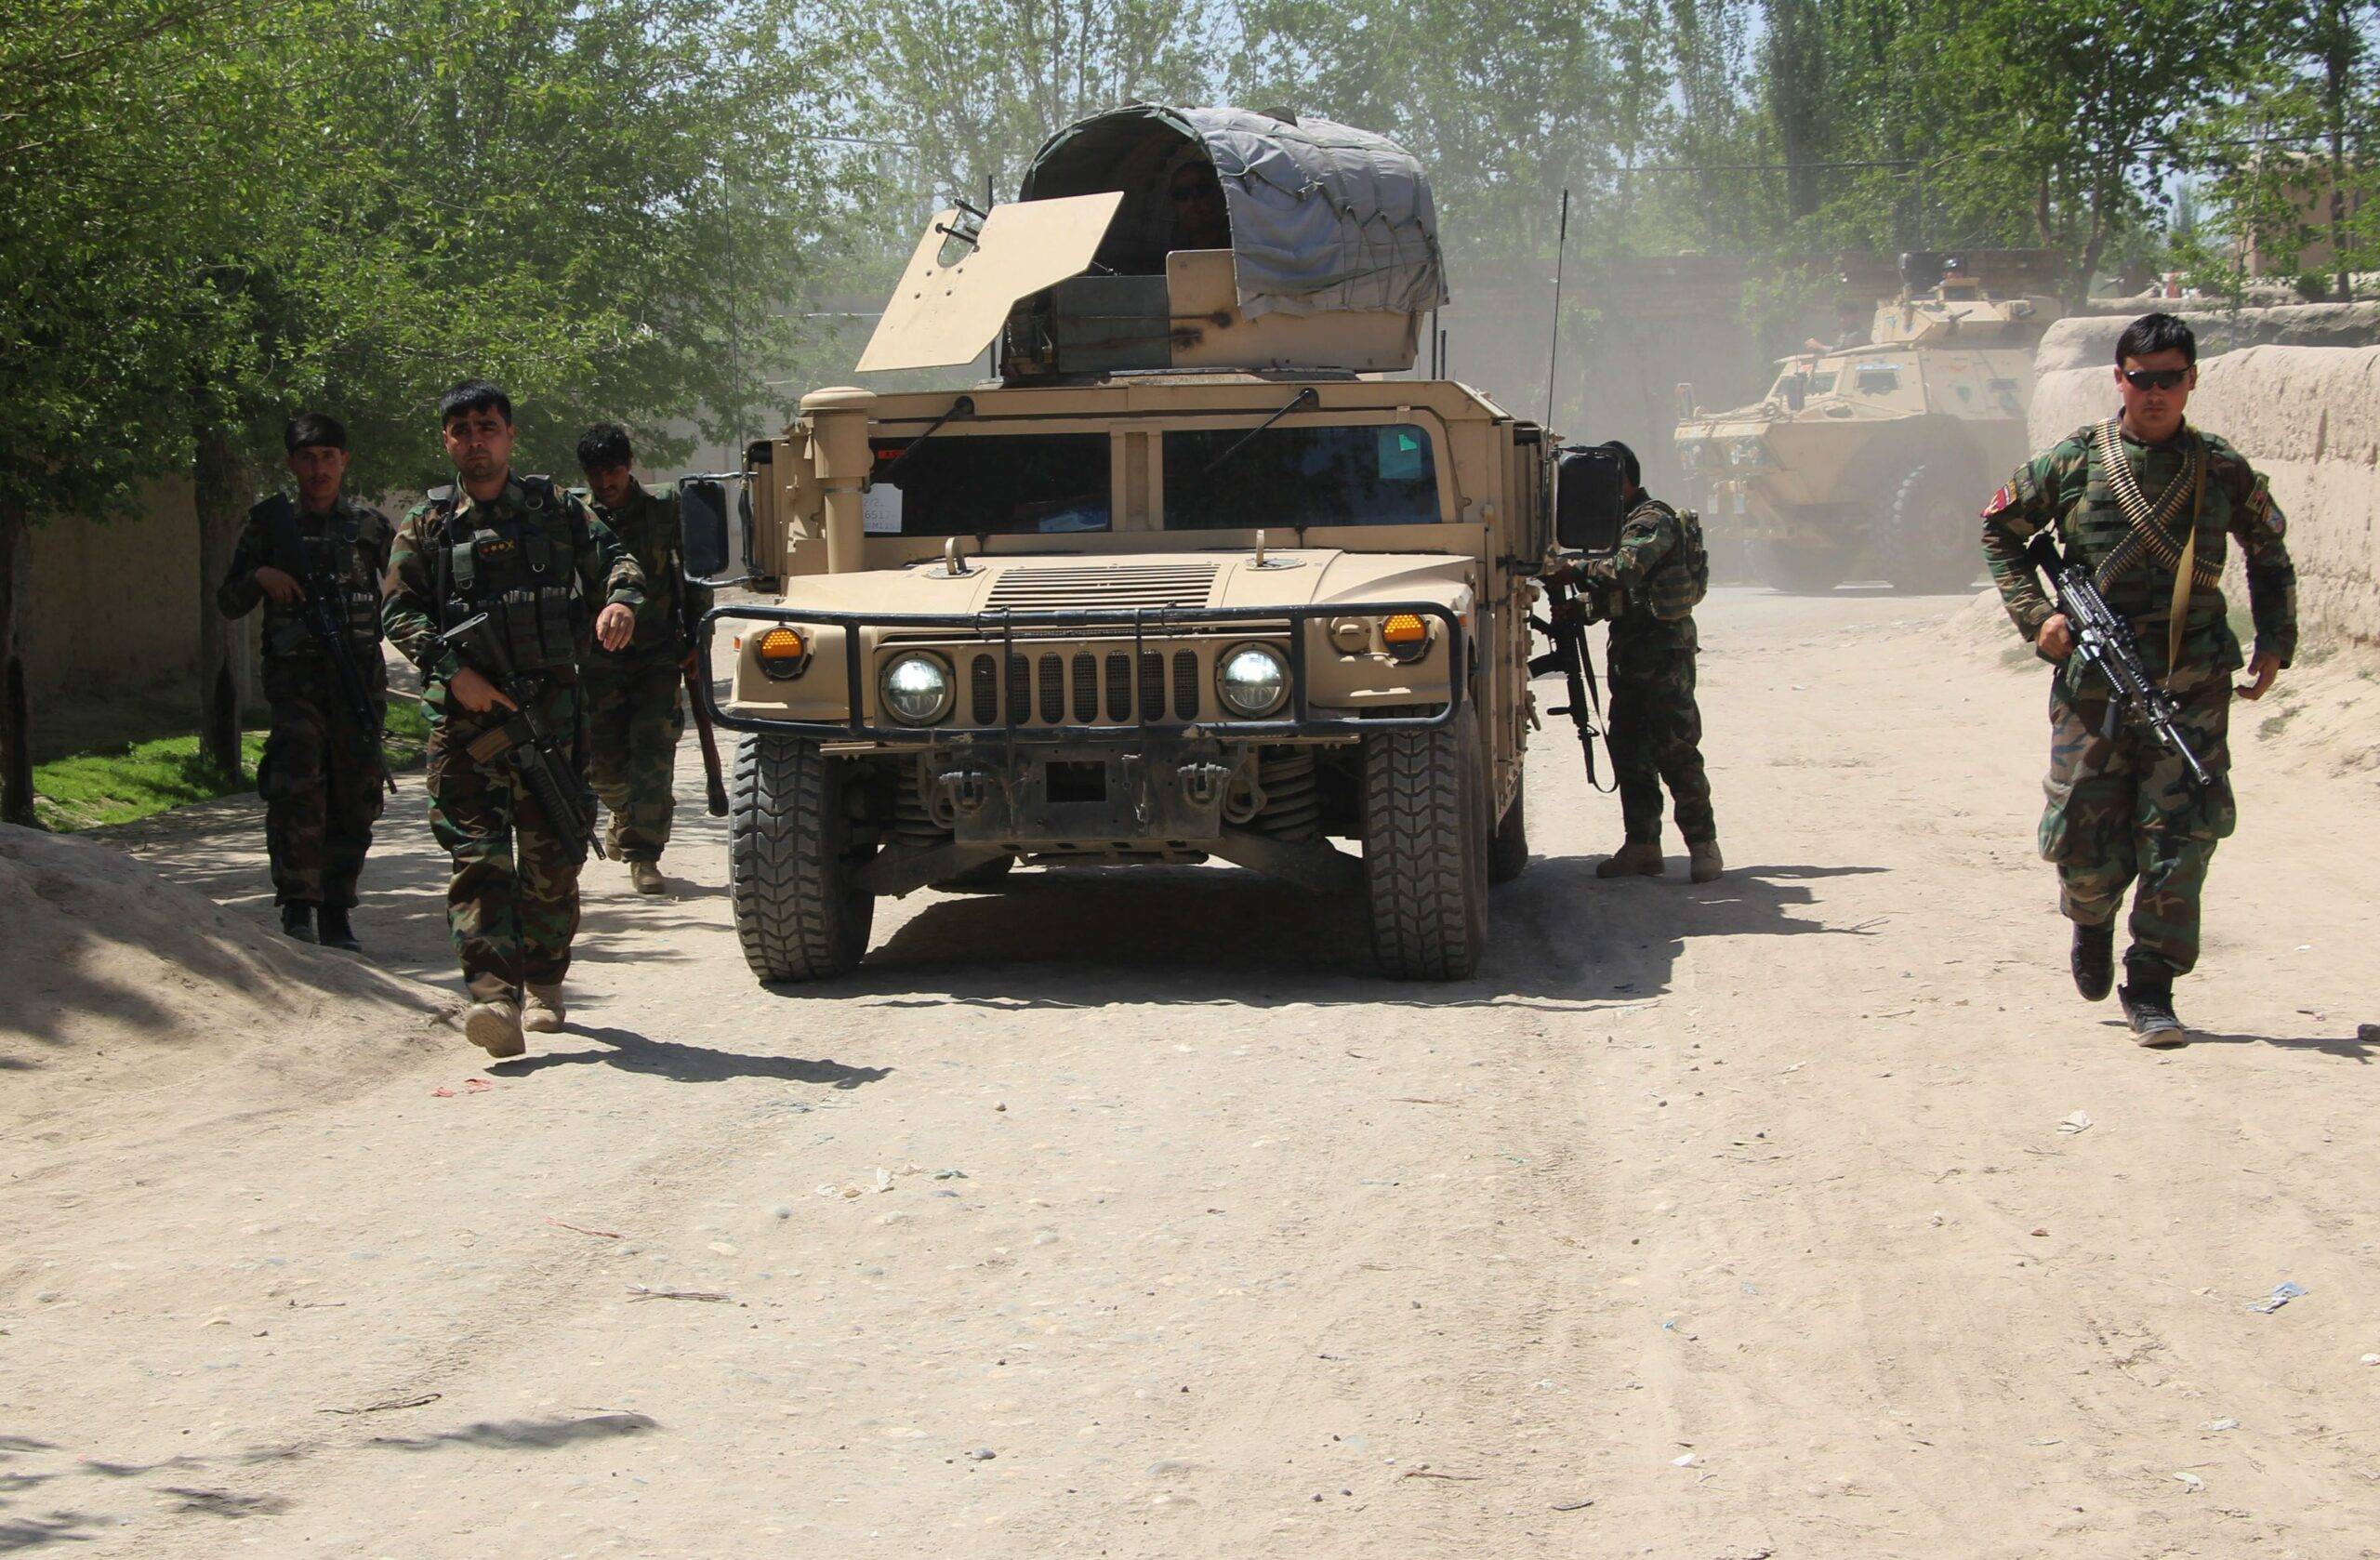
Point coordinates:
pixel 1866 461
pixel 1186 579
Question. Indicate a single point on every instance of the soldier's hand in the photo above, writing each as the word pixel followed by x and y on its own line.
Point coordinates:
pixel 476 693
pixel 280 585
pixel 2057 638
pixel 2262 669
pixel 614 626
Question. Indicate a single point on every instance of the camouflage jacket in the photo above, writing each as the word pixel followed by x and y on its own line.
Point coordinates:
pixel 647 528
pixel 366 531
pixel 1651 539
pixel 2066 487
pixel 416 612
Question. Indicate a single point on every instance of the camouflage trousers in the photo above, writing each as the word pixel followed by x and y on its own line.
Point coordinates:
pixel 2121 810
pixel 1657 738
pixel 320 778
pixel 513 903
pixel 634 720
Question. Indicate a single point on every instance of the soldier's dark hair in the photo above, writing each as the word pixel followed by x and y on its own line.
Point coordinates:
pixel 2156 333
pixel 607 443
pixel 1628 466
pixel 473 395
pixel 313 428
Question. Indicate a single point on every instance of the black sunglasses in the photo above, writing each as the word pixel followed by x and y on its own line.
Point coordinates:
pixel 2155 378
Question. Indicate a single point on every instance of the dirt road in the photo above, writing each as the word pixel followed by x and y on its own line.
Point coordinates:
pixel 1131 1215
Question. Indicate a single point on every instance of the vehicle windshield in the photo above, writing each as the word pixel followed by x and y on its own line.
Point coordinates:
pixel 1376 474
pixel 1015 485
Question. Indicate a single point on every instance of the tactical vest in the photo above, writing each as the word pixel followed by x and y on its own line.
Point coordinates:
pixel 328 564
pixel 1680 581
pixel 520 569
pixel 2134 578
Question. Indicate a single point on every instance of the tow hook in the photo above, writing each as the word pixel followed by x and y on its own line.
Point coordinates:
pixel 964 790
pixel 1202 784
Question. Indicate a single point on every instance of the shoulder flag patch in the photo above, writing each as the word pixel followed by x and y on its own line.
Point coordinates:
pixel 2004 500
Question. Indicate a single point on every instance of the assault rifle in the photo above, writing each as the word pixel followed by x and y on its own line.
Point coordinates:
pixel 2104 643
pixel 1568 611
pixel 323 609
pixel 543 764
pixel 714 782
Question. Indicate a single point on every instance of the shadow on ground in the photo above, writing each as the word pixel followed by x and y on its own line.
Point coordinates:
pixel 1087 937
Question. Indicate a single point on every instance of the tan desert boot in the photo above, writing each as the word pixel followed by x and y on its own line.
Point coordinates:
pixel 543 1012
pixel 1638 858
pixel 646 876
pixel 1706 860
pixel 495 1028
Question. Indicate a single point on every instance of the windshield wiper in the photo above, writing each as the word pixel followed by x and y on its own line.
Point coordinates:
pixel 1308 396
pixel 961 410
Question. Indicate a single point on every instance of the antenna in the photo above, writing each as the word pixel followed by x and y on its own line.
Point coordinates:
pixel 1554 352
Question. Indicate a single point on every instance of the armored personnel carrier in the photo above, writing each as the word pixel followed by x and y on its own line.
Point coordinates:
pixel 1867 461
pixel 1184 580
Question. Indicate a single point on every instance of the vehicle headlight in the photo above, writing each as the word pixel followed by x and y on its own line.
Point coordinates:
pixel 917 688
pixel 1253 680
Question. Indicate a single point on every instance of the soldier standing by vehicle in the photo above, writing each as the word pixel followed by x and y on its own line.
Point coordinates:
pixel 633 715
pixel 322 771
pixel 531 560
pixel 2121 807
pixel 1650 585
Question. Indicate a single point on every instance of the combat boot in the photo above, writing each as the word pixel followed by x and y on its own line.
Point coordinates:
pixel 1638 858
pixel 1707 862
pixel 646 876
pixel 2095 960
pixel 543 1011
pixel 298 922
pixel 335 933
pixel 495 1028
pixel 2147 999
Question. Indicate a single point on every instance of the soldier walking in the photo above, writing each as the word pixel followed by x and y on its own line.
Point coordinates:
pixel 322 771
pixel 532 558
pixel 2147 503
pixel 1659 573
pixel 634 717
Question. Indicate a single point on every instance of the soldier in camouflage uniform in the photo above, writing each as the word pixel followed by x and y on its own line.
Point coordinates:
pixel 2120 809
pixel 321 770
pixel 633 714
pixel 1649 588
pixel 540 564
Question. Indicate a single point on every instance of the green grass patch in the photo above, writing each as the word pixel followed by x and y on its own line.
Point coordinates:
pixel 89 790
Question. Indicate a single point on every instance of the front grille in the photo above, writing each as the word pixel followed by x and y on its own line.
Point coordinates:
pixel 1069 682
pixel 1100 585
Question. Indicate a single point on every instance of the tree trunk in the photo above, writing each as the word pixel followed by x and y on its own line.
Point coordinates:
pixel 16 707
pixel 218 479
pixel 2335 95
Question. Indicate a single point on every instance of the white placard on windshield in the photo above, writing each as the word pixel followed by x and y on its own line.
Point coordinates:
pixel 880 510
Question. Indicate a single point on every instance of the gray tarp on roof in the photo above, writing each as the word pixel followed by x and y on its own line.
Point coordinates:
pixel 1323 217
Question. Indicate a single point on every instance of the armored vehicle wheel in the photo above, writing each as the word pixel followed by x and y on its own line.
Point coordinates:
pixel 1801 571
pixel 975 878
pixel 1508 852
pixel 1927 547
pixel 793 869
pixel 1425 849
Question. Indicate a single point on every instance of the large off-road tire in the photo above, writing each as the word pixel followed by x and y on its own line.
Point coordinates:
pixel 1508 852
pixel 1927 549
pixel 793 870
pixel 1801 571
pixel 1425 849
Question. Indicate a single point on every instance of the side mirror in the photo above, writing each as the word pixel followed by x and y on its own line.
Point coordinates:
pixel 1590 501
pixel 702 527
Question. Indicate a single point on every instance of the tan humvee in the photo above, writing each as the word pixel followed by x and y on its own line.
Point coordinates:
pixel 1865 462
pixel 1182 583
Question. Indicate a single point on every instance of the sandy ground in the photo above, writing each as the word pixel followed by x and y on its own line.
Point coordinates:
pixel 1131 1215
